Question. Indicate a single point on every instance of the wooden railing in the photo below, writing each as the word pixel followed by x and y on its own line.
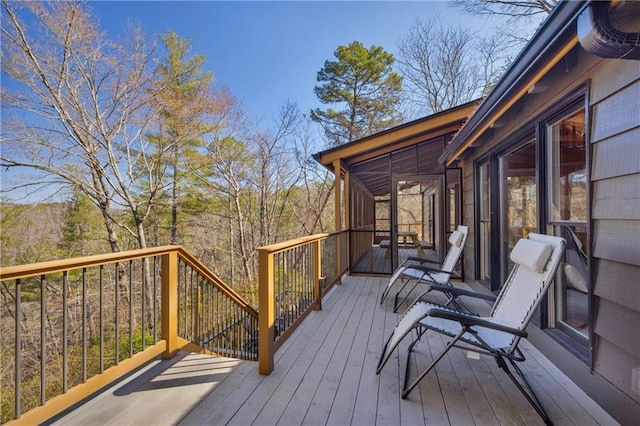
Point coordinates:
pixel 294 275
pixel 70 327
pixel 335 255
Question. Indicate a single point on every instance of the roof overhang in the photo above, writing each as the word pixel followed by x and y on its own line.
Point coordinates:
pixel 397 137
pixel 553 40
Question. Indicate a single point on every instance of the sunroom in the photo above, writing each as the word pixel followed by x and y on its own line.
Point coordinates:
pixel 394 196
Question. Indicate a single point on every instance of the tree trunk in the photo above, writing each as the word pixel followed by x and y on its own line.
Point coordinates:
pixel 174 197
pixel 243 241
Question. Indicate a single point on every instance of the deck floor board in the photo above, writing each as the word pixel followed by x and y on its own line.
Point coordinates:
pixel 325 374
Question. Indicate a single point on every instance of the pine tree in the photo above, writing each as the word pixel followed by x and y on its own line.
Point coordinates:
pixel 363 83
pixel 183 91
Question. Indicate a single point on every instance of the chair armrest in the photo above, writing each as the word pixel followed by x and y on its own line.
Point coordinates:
pixel 460 292
pixel 420 260
pixel 473 321
pixel 426 269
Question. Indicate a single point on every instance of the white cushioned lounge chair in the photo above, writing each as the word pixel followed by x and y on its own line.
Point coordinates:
pixel 417 271
pixel 536 260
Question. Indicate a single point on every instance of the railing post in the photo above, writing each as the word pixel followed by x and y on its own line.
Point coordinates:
pixel 266 312
pixel 317 273
pixel 170 303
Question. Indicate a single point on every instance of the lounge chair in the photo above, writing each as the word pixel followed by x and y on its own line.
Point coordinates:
pixel 536 260
pixel 416 269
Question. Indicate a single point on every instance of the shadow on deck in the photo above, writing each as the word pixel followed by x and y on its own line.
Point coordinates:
pixel 325 374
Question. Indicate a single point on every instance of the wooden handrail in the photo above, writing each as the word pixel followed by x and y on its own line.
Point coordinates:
pixel 267 321
pixel 170 341
pixel 35 269
pixel 287 245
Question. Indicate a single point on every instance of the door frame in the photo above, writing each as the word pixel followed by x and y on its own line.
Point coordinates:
pixel 441 213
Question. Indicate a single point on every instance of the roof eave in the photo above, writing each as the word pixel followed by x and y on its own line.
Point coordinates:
pixel 554 38
pixel 321 156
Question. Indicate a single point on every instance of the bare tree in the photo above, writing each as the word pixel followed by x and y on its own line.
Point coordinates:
pixel 229 178
pixel 519 17
pixel 77 109
pixel 276 174
pixel 312 201
pixel 513 10
pixel 254 169
pixel 447 66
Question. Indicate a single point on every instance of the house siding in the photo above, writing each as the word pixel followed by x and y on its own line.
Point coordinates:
pixel 614 119
pixel 615 213
pixel 468 215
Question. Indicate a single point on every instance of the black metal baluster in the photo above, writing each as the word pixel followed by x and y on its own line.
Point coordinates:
pixel 143 294
pixel 101 311
pixel 186 300
pixel 155 301
pixel 117 315
pixel 84 325
pixel 65 358
pixel 18 345
pixel 43 341
pixel 130 308
pixel 194 308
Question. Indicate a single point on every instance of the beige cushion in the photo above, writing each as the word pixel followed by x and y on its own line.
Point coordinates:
pixel 456 238
pixel 533 255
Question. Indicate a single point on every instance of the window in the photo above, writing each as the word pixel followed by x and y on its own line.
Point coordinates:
pixel 567 207
pixel 429 228
pixel 484 222
pixel 567 169
pixel 538 181
pixel 518 202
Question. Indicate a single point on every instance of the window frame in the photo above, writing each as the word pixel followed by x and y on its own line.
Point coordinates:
pixel 535 129
pixel 580 345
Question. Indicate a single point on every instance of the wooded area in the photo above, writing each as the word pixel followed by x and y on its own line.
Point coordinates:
pixel 145 149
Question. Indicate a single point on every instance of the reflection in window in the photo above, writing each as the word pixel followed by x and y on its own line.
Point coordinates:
pixel 567 169
pixel 574 279
pixel 519 199
pixel 567 211
pixel 453 207
pixel 485 222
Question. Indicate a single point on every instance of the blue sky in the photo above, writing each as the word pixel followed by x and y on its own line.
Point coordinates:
pixel 269 52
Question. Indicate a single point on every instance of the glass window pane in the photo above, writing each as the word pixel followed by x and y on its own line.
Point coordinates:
pixel 572 280
pixel 519 200
pixel 567 168
pixel 485 183
pixel 485 222
pixel 383 218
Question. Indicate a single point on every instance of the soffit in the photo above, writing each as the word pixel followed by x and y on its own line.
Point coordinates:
pixel 548 46
pixel 398 137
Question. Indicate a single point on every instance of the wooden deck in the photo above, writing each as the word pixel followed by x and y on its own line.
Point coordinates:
pixel 325 374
